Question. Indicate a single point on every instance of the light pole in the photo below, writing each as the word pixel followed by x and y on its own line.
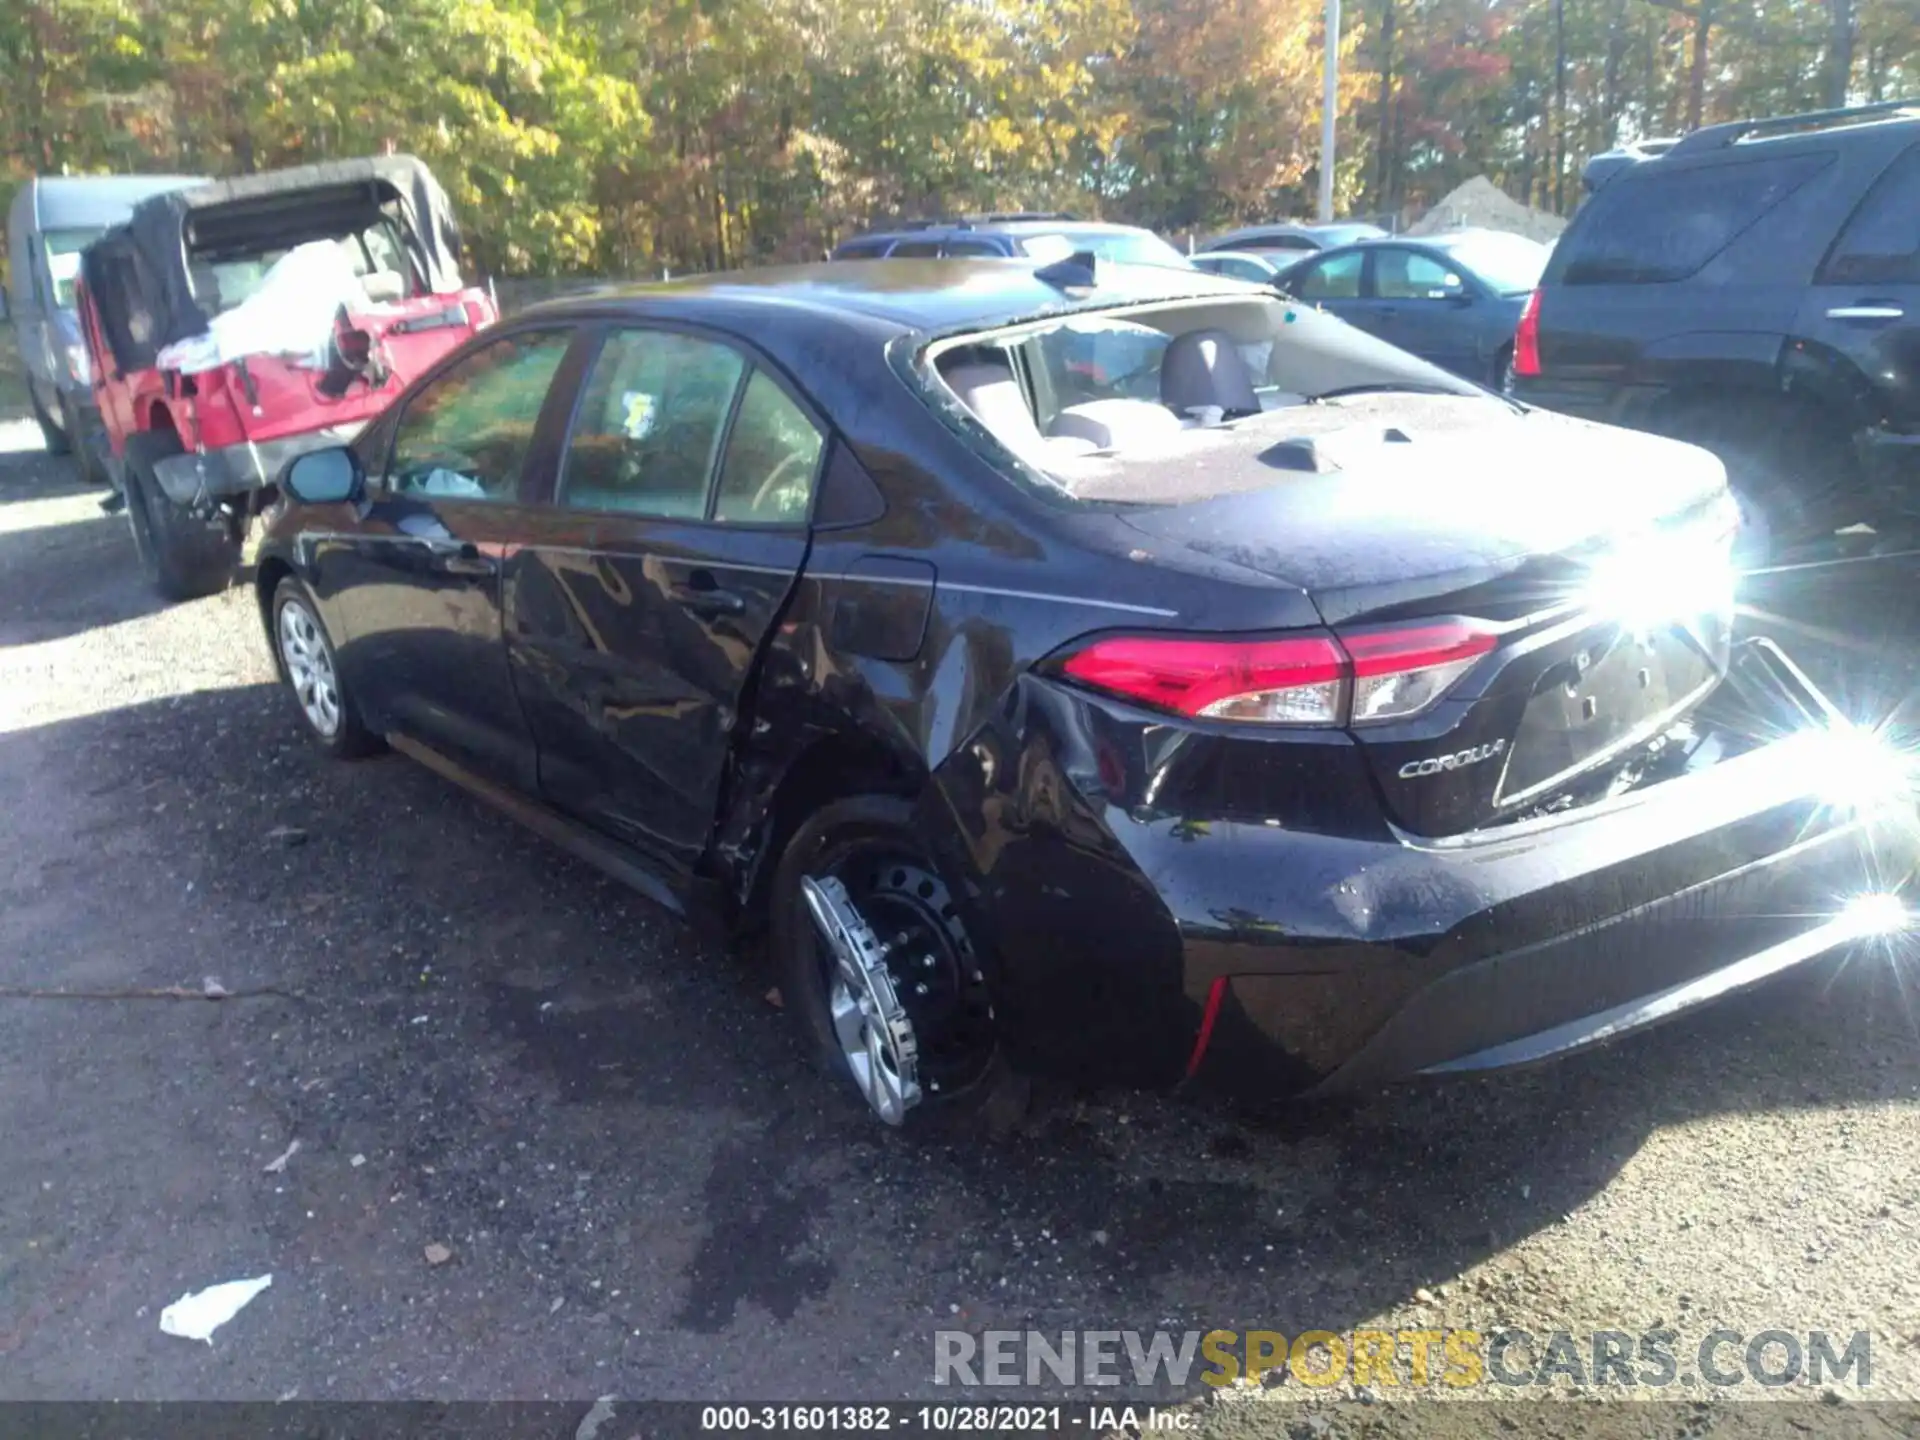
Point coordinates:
pixel 1330 110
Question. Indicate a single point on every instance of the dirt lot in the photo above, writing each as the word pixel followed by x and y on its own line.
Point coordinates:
pixel 481 1045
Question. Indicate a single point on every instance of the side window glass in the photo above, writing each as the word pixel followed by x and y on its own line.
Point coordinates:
pixel 1337 278
pixel 466 435
pixel 773 456
pixel 1409 275
pixel 1668 224
pixel 914 249
pixel 649 426
pixel 1881 244
pixel 973 247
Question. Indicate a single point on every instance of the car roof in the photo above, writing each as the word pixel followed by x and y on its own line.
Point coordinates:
pixel 1882 122
pixel 1450 239
pixel 925 296
pixel 1439 240
pixel 83 202
pixel 1250 234
pixel 942 229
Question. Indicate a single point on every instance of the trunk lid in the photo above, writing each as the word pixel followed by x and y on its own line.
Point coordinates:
pixel 1598 556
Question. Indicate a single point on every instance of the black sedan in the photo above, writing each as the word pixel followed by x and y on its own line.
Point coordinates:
pixel 1085 669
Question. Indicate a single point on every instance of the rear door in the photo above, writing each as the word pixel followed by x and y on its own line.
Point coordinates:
pixel 1864 304
pixel 636 612
pixel 414 588
pixel 1424 305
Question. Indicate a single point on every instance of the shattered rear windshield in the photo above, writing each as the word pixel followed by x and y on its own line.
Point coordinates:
pixel 1172 402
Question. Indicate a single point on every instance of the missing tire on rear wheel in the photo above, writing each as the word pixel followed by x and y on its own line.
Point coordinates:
pixel 905 993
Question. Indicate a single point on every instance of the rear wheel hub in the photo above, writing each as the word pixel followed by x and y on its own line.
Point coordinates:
pixel 905 991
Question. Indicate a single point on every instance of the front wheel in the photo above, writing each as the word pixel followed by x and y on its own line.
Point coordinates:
pixel 305 653
pixel 58 441
pixel 86 457
pixel 184 556
pixel 881 972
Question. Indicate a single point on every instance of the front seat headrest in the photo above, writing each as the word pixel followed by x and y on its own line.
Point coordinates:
pixel 1204 367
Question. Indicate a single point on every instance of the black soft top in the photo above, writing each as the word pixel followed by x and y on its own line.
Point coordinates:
pixel 138 274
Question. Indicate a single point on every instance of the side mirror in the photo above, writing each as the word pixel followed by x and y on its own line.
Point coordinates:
pixel 324 477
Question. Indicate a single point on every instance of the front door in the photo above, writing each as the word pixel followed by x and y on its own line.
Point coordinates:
pixel 637 611
pixel 414 590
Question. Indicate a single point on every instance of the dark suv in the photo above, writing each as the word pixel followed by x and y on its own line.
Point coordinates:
pixel 1025 234
pixel 1754 289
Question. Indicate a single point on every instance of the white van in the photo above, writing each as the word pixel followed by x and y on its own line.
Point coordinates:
pixel 52 219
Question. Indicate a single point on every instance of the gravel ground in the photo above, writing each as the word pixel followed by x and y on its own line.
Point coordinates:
pixel 481 1045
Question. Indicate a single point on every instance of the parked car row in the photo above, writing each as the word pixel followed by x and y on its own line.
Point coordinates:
pixel 1454 298
pixel 1067 664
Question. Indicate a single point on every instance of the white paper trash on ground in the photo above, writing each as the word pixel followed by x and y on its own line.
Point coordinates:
pixel 196 1317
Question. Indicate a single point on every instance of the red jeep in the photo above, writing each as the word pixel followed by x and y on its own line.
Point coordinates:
pixel 236 325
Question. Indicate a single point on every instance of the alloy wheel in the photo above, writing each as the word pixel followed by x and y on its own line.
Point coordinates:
pixel 309 662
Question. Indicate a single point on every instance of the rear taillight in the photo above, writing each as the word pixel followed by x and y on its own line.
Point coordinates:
pixel 1526 339
pixel 1300 680
pixel 1400 672
pixel 1315 679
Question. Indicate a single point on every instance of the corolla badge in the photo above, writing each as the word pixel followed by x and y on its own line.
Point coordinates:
pixel 1459 760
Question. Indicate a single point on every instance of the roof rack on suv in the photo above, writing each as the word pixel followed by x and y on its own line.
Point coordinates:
pixel 1602 168
pixel 968 222
pixel 1004 217
pixel 1718 137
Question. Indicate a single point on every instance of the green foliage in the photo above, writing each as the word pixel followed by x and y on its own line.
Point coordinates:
pixel 634 135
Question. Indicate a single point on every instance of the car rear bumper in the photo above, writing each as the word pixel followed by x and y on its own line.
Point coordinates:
pixel 235 469
pixel 1637 970
pixel 1259 957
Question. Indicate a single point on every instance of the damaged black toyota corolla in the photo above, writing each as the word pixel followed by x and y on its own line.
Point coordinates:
pixel 1123 672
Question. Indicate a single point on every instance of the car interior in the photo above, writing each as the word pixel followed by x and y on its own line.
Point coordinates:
pixel 1106 384
pixel 1162 401
pixel 223 281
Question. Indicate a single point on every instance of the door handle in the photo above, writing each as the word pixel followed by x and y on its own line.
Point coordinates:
pixel 1869 311
pixel 460 557
pixel 708 600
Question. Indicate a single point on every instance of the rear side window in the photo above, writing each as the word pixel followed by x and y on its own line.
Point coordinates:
pixel 1409 275
pixel 862 250
pixel 973 247
pixel 1240 269
pixel 1665 226
pixel 910 249
pixel 773 454
pixel 649 426
pixel 1881 244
